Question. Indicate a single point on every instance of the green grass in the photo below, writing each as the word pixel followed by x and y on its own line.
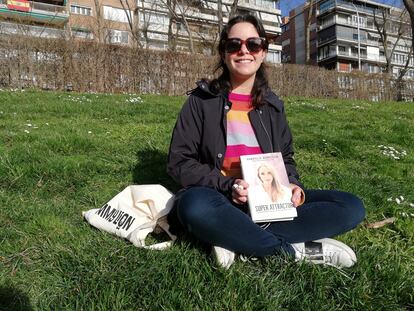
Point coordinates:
pixel 51 259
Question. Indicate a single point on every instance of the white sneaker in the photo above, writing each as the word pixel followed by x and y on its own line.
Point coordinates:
pixel 325 251
pixel 224 257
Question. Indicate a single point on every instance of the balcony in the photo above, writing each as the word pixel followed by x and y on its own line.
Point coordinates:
pixel 39 12
pixel 353 55
pixel 33 31
pixel 349 39
pixel 346 23
pixel 264 6
pixel 346 5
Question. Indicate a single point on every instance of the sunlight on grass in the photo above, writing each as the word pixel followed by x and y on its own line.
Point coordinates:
pixel 63 153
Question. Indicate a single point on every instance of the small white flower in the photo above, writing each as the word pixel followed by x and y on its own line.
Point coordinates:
pixel 47 123
pixel 89 132
pixel 397 200
pixel 108 132
pixel 35 127
pixel 29 124
pixel 401 198
pixel 404 214
pixel 411 204
pixel 389 199
pixel 26 131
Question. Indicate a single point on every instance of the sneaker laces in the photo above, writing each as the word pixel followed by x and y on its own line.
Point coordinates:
pixel 246 258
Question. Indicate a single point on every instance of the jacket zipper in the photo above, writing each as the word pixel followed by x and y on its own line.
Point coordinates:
pixel 258 111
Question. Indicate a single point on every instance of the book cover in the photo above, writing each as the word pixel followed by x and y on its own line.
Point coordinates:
pixel 269 194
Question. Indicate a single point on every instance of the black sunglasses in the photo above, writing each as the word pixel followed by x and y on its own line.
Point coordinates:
pixel 253 45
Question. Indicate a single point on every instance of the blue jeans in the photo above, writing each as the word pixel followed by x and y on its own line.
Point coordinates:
pixel 213 218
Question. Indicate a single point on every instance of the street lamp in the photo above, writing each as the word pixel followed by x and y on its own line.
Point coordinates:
pixel 359 37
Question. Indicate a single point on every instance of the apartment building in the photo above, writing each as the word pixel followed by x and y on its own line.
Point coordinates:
pixel 346 38
pixel 105 21
pixel 163 26
pixel 45 19
pixel 293 37
pixel 154 24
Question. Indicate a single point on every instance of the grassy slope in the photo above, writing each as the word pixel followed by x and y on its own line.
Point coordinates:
pixel 51 259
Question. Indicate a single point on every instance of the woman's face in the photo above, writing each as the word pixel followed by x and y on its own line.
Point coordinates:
pixel 265 175
pixel 243 64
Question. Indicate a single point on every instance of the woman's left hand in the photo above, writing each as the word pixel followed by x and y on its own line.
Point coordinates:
pixel 298 196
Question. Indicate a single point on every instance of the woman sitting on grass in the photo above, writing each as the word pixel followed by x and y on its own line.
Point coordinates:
pixel 237 114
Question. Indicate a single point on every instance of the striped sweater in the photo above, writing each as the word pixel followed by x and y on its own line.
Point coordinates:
pixel 241 139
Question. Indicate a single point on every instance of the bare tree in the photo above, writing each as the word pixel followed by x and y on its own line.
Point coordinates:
pixel 233 9
pixel 383 25
pixel 178 11
pixel 133 26
pixel 219 16
pixel 99 29
pixel 144 22
pixel 307 30
pixel 172 20
pixel 409 5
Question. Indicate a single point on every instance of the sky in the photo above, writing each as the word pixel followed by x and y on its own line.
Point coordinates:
pixel 287 5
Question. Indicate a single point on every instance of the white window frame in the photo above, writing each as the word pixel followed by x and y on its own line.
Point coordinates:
pixel 116 36
pixel 80 10
pixel 117 14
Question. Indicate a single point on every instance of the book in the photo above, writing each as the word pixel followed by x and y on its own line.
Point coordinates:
pixel 269 195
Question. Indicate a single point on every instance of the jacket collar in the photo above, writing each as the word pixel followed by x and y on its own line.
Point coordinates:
pixel 270 97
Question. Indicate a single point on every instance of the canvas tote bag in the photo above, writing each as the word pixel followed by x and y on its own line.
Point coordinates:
pixel 134 213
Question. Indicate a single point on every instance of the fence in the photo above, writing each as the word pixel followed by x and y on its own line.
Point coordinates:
pixel 91 67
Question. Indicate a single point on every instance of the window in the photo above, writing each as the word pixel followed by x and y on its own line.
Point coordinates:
pixel 355 36
pixel 117 36
pixel 371 68
pixel 326 5
pixel 341 49
pixel 156 19
pixel 354 50
pixel 81 10
pixel 326 51
pixel 273 57
pixel 269 4
pixel 285 27
pixel 362 20
pixel 82 33
pixel 117 14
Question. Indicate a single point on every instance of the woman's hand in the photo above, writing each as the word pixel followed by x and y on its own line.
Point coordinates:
pixel 298 196
pixel 239 191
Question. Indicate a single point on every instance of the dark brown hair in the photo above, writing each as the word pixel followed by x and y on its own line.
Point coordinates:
pixel 222 83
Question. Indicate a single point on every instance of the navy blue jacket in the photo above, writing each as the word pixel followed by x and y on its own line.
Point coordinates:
pixel 198 142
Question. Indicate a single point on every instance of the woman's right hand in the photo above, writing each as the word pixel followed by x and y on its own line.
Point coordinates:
pixel 239 191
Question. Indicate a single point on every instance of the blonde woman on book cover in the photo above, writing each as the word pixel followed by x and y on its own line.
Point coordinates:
pixel 271 184
pixel 238 114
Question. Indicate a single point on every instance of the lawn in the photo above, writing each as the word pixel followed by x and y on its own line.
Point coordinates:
pixel 64 153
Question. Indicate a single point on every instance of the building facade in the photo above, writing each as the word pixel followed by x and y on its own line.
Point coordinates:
pixel 355 35
pixel 293 38
pixel 155 24
pixel 159 27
